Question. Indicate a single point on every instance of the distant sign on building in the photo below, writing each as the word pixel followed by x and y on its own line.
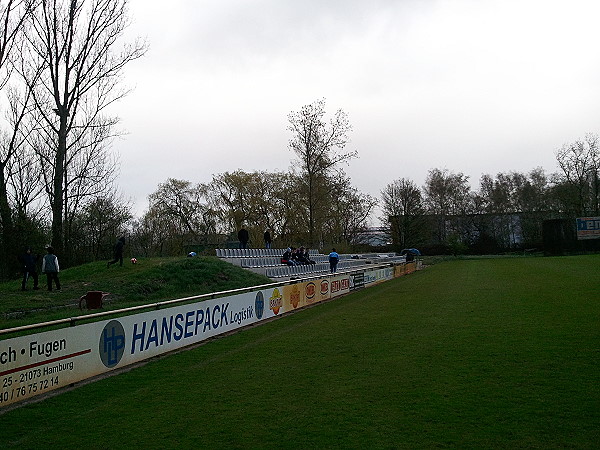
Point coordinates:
pixel 588 228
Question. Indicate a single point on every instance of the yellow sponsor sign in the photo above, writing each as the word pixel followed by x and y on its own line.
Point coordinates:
pixel 398 270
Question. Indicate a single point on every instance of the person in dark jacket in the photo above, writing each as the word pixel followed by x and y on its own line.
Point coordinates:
pixel 306 257
pixel 51 269
pixel 267 238
pixel 28 264
pixel 118 255
pixel 287 257
pixel 243 236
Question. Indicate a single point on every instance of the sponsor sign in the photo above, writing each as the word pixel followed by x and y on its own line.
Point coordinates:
pixel 588 228
pixel 41 362
pixel 32 365
pixel 357 280
pixel 399 270
pixel 339 285
pixel 410 267
pixel 276 301
pixel 323 292
pixel 293 295
pixel 377 276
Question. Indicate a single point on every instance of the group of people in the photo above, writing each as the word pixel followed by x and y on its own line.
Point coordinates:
pixel 244 238
pixel 301 256
pixel 50 268
pixel 292 256
pixel 296 256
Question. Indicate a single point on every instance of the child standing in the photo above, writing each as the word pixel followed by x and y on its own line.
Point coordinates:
pixel 51 269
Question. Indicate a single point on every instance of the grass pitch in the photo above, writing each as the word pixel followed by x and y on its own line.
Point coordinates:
pixel 495 353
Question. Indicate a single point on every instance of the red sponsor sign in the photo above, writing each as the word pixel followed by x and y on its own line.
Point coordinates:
pixel 336 285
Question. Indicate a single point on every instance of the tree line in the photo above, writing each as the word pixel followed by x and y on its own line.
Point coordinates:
pixel 506 212
pixel 320 208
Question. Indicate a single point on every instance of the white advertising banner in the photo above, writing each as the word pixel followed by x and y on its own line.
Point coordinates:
pixel 378 275
pixel 38 363
pixel 32 365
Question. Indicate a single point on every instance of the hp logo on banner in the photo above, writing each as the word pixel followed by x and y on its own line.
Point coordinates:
pixel 259 305
pixel 112 343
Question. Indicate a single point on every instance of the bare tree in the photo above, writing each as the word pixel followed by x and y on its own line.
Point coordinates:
pixel 13 15
pixel 349 212
pixel 580 164
pixel 74 43
pixel 320 147
pixel 96 224
pixel 402 205
pixel 447 194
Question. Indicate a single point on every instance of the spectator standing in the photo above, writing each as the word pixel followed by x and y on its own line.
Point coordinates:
pixel 243 237
pixel 267 238
pixel 118 254
pixel 28 264
pixel 334 258
pixel 50 268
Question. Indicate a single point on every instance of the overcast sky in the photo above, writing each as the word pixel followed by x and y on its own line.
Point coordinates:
pixel 473 86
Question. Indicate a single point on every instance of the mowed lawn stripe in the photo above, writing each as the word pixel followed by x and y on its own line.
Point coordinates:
pixel 496 353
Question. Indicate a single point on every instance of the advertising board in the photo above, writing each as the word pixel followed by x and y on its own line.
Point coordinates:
pixel 38 363
pixel 588 228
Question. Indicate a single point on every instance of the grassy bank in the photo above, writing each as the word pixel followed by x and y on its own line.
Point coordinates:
pixel 150 280
pixel 493 353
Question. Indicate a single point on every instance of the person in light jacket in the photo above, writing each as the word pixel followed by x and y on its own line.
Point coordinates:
pixel 334 258
pixel 50 268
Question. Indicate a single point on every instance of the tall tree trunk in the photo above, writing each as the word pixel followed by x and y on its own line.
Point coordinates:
pixel 58 189
pixel 311 212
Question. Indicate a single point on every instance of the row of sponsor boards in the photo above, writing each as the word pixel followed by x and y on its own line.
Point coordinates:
pixel 34 364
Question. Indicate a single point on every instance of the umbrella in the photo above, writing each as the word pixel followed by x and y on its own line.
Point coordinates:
pixel 413 251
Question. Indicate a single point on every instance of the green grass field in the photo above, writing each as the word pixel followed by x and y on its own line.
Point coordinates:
pixel 491 353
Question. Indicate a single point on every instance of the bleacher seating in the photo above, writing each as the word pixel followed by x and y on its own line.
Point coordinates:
pixel 268 261
pixel 248 252
pixel 323 268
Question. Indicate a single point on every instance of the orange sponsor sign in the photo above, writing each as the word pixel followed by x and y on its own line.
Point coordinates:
pixel 293 296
